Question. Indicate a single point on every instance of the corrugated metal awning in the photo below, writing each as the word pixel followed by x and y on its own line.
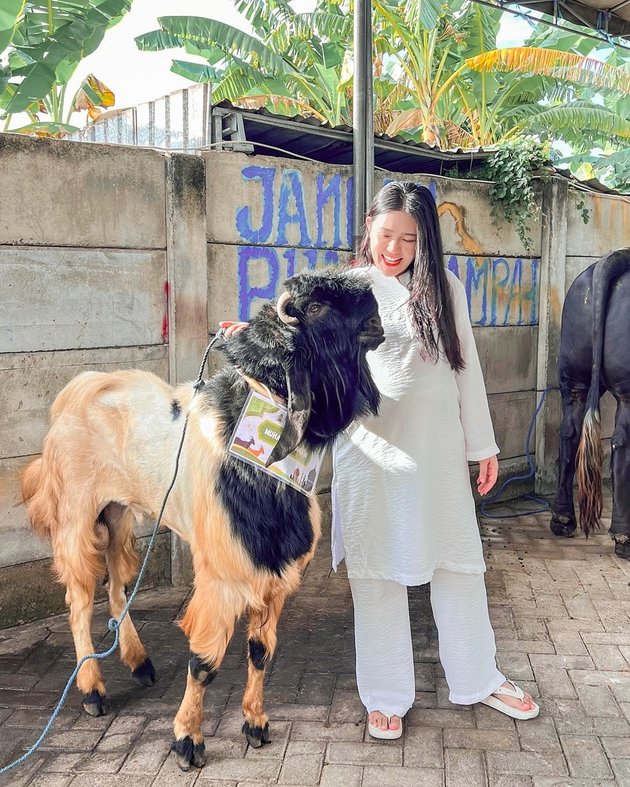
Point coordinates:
pixel 608 16
pixel 298 136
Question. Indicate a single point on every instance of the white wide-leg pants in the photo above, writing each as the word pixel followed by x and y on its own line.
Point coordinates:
pixel 385 672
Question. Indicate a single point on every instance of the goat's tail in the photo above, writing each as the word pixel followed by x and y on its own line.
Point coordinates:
pixel 40 494
pixel 30 480
pixel 42 482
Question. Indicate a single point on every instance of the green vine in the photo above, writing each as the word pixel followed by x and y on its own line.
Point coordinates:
pixel 583 210
pixel 512 169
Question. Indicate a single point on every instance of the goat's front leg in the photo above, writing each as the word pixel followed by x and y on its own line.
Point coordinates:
pixel 209 624
pixel 261 647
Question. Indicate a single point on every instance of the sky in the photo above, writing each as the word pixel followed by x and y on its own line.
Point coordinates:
pixel 136 76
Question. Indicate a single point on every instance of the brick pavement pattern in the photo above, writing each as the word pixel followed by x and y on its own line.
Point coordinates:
pixel 560 612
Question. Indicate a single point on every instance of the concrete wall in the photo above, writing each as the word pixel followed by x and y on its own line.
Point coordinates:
pixel 119 257
pixel 99 245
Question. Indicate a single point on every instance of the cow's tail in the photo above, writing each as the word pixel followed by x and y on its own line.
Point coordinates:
pixel 589 459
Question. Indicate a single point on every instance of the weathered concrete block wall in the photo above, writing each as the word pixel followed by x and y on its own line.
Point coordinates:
pixel 117 257
pixel 96 244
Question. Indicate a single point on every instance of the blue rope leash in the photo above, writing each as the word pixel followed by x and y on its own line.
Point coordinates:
pixel 544 505
pixel 114 623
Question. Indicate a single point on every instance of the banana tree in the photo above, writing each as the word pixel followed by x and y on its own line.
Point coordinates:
pixel 42 44
pixel 293 62
pixel 468 93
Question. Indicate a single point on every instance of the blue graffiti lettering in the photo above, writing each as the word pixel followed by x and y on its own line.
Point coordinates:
pixel 498 289
pixel 453 265
pixel 291 190
pixel 323 195
pixel 311 258
pixel 474 276
pixel 350 212
pixel 247 293
pixel 289 256
pixel 534 292
pixel 266 175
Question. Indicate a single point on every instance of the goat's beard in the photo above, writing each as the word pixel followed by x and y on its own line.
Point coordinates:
pixel 340 396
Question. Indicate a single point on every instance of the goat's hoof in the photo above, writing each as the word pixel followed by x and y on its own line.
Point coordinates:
pixel 189 754
pixel 622 549
pixel 145 673
pixel 563 526
pixel 95 704
pixel 256 736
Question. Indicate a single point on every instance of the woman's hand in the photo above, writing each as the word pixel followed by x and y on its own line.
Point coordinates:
pixel 232 328
pixel 488 473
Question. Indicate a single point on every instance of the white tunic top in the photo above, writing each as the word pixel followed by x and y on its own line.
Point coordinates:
pixel 402 501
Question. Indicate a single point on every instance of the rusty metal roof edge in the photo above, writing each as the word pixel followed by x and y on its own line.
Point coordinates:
pixel 344 132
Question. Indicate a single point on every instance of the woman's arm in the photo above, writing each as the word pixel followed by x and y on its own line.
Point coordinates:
pixel 474 411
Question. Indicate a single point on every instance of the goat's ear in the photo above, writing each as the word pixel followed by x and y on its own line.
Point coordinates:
pixel 299 408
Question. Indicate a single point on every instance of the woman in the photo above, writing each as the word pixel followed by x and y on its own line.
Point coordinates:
pixel 403 510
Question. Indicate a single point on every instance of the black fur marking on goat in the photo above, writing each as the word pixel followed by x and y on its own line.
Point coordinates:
pixel 145 673
pixel 202 671
pixel 189 753
pixel 320 363
pixel 270 518
pixel 257 653
pixel 176 409
pixel 95 704
pixel 256 736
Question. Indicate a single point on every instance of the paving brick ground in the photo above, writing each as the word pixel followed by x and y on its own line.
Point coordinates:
pixel 560 611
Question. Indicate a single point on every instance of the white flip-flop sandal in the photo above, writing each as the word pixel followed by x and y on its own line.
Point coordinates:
pixel 385 735
pixel 502 707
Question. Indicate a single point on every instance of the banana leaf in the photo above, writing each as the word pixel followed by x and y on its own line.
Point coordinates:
pixel 560 65
pixel 65 46
pixel 10 12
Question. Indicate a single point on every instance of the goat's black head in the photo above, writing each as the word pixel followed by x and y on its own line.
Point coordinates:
pixel 311 348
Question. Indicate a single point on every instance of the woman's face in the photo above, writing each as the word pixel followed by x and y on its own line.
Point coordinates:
pixel 393 238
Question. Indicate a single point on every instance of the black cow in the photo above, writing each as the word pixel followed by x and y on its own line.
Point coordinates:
pixel 594 358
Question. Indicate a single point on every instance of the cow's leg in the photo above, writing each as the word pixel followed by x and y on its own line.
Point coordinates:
pixel 122 567
pixel 209 624
pixel 563 521
pixel 620 474
pixel 261 646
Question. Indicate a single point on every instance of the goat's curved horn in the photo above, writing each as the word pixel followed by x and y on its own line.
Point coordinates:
pixel 281 307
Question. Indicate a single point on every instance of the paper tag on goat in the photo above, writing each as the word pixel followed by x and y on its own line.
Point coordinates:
pixel 257 431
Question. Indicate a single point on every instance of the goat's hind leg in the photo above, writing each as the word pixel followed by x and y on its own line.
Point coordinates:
pixel 79 563
pixel 122 567
pixel 261 647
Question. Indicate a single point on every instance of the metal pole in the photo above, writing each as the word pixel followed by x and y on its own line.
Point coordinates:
pixel 362 116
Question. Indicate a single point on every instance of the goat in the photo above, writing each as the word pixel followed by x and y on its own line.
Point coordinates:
pixel 109 456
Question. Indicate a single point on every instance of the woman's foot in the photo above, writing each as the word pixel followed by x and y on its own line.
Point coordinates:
pixel 384 727
pixel 512 701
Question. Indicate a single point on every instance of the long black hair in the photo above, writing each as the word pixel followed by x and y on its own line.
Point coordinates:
pixel 430 303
